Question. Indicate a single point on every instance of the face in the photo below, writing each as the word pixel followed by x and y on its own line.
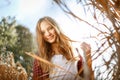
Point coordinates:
pixel 48 32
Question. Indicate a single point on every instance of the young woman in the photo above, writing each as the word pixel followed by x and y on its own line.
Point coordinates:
pixel 57 48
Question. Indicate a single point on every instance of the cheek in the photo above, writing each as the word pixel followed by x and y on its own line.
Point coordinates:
pixel 54 32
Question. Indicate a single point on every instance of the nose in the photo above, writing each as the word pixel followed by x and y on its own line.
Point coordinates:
pixel 47 33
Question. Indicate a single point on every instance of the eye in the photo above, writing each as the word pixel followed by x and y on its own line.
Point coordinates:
pixel 50 28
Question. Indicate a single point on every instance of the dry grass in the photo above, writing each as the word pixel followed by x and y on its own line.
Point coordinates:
pixel 108 10
pixel 89 63
pixel 9 70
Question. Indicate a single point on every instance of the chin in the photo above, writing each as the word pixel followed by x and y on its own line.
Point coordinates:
pixel 51 41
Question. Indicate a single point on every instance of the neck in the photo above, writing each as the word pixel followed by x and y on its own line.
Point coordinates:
pixel 55 48
pixel 54 45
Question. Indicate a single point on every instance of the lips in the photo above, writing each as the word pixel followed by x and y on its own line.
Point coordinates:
pixel 50 37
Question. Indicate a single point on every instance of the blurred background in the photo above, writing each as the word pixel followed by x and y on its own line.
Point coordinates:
pixel 96 22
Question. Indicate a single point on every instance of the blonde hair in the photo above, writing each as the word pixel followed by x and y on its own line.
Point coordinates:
pixel 44 48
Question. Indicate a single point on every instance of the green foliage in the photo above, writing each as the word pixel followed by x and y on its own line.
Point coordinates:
pixel 17 39
pixel 8 36
pixel 24 44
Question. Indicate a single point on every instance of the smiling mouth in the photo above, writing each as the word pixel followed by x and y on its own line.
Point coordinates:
pixel 50 38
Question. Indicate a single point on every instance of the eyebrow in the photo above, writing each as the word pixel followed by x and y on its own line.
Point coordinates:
pixel 50 26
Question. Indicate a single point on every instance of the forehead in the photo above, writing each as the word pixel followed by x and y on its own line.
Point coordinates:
pixel 44 25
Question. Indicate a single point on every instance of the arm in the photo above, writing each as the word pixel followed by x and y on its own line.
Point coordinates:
pixel 87 54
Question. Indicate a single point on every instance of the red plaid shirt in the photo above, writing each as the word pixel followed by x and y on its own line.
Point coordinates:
pixel 38 74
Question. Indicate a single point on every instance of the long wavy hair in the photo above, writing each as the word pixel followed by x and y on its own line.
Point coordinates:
pixel 44 48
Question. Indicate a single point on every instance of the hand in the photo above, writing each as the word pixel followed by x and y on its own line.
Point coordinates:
pixel 86 47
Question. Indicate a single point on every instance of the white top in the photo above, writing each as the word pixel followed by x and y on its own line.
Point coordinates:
pixel 68 69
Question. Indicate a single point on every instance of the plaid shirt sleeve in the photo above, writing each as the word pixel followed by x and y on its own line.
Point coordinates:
pixel 38 74
pixel 79 66
pixel 37 71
